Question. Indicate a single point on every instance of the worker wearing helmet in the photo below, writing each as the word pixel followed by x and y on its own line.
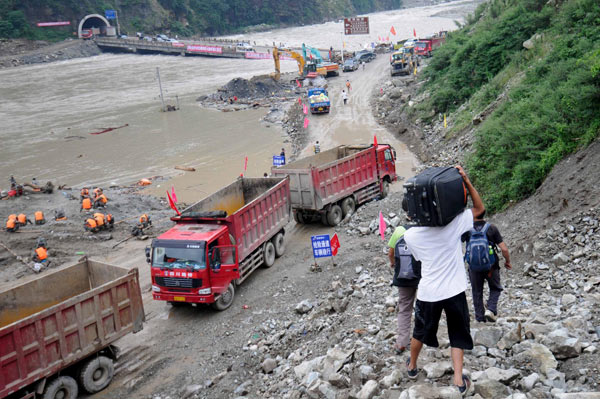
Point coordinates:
pixel 100 200
pixel 91 225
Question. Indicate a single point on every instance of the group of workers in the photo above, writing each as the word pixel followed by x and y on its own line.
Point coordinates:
pixel 95 200
pixel 15 221
pixel 100 221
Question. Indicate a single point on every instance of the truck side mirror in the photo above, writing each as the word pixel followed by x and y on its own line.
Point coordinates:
pixel 148 255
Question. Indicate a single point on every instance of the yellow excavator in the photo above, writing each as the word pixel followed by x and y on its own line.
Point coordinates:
pixel 305 70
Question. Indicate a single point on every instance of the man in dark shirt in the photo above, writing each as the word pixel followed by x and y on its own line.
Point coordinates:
pixel 492 277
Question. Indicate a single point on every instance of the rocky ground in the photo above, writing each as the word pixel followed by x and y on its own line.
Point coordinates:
pixel 15 52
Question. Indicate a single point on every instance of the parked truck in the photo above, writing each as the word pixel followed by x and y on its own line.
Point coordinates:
pixel 57 330
pixel 318 99
pixel 329 185
pixel 219 241
pixel 425 47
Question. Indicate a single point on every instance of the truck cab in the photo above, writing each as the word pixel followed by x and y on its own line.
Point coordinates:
pixel 193 263
pixel 386 160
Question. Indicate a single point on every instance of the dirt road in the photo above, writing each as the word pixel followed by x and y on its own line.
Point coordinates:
pixel 191 345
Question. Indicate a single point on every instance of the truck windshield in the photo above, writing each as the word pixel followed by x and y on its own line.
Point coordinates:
pixel 180 258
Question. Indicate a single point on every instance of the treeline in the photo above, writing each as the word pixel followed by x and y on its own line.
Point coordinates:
pixel 546 98
pixel 181 17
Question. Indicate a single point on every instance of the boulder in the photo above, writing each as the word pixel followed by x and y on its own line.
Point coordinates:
pixel 491 389
pixel 436 370
pixel 368 390
pixel 488 336
pixel 501 375
pixel 539 356
pixel 430 392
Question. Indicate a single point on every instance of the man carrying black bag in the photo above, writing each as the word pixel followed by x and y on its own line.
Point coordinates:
pixel 442 286
pixel 407 273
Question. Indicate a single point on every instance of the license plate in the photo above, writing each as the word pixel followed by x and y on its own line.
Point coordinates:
pixel 320 108
pixel 179 298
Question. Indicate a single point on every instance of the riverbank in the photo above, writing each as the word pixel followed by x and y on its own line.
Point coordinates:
pixel 17 52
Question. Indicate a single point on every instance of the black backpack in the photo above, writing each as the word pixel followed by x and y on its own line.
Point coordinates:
pixel 405 265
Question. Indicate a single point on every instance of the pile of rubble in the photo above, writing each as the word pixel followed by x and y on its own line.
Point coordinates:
pixel 339 344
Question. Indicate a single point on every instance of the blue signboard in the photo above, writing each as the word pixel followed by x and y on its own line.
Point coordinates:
pixel 110 14
pixel 321 246
pixel 278 160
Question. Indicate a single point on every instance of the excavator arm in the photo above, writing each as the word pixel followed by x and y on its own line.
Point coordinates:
pixel 277 74
pixel 299 59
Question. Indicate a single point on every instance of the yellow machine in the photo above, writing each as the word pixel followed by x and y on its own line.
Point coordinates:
pixel 305 70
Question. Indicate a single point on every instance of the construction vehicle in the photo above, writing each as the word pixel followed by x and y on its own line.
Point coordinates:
pixel 329 185
pixel 219 241
pixel 403 62
pixel 325 69
pixel 425 47
pixel 57 330
pixel 318 99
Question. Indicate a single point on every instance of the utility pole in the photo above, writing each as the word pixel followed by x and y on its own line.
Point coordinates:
pixel 162 100
pixel 342 36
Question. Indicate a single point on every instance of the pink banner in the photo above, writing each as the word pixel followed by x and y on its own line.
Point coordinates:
pixel 264 56
pixel 58 23
pixel 305 109
pixel 204 49
pixel 177 44
pixel 305 123
pixel 382 226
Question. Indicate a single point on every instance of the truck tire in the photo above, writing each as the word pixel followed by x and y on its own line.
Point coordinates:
pixel 324 221
pixel 64 387
pixel 385 189
pixel 225 299
pixel 96 374
pixel 334 215
pixel 269 254
pixel 348 206
pixel 279 243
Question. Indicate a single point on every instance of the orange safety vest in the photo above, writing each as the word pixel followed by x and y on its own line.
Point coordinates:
pixel 13 216
pixel 11 223
pixel 85 192
pixel 97 191
pixel 144 218
pixel 91 223
pixel 22 218
pixel 99 218
pixel 39 216
pixel 109 218
pixel 102 198
pixel 41 253
pixel 86 203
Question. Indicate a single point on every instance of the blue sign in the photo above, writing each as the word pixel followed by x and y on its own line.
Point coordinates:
pixel 110 14
pixel 321 246
pixel 278 160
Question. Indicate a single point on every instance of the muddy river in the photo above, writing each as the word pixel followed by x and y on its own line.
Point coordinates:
pixel 49 110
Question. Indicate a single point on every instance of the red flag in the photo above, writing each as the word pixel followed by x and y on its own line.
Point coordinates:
pixel 374 141
pixel 305 109
pixel 172 204
pixel 393 31
pixel 387 39
pixel 335 244
pixel 173 194
pixel 299 100
pixel 382 226
pixel 381 90
pixel 414 32
pixel 298 83
pixel 379 38
pixel 305 123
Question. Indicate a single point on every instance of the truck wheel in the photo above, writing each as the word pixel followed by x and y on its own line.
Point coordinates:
pixel 225 299
pixel 324 221
pixel 385 189
pixel 64 387
pixel 348 206
pixel 96 374
pixel 334 215
pixel 279 243
pixel 269 254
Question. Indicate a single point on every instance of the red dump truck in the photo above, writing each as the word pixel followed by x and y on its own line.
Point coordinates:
pixel 219 241
pixel 425 47
pixel 329 185
pixel 56 331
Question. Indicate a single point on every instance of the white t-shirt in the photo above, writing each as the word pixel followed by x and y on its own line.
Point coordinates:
pixel 440 251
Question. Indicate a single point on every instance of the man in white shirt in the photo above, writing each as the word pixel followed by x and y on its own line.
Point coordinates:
pixel 442 287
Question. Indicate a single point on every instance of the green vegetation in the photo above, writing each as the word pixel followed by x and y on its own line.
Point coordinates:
pixel 551 92
pixel 182 17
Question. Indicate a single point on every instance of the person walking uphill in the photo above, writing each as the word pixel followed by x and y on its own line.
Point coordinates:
pixel 442 287
pixel 478 274
pixel 407 273
pixel 344 96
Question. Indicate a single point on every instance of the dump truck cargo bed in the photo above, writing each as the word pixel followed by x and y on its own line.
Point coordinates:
pixel 52 322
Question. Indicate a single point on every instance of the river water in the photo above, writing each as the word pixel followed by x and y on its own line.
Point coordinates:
pixel 49 110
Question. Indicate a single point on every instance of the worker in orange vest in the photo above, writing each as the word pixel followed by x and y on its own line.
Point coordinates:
pixel 145 221
pixel 110 221
pixel 97 191
pixel 84 193
pixel 86 204
pixel 100 201
pixel 40 255
pixel 22 219
pixel 91 225
pixel 12 225
pixel 99 218
pixel 39 217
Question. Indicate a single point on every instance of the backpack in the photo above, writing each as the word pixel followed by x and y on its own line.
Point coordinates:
pixel 480 254
pixel 403 262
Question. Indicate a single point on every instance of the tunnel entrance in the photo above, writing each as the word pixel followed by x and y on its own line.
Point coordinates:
pixel 95 25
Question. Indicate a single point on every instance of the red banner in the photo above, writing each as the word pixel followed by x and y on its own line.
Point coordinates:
pixel 205 49
pixel 335 244
pixel 58 23
pixel 177 44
